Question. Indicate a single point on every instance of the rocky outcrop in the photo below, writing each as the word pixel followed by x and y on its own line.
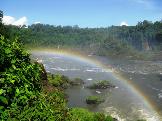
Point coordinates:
pixel 94 100
pixel 76 81
pixel 103 84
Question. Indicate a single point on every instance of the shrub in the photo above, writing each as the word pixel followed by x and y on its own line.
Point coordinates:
pixel 102 117
pixel 102 84
pixel 58 80
pixel 46 107
pixel 19 79
pixel 76 81
pixel 80 114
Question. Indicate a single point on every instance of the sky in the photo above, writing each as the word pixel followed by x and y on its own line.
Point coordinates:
pixel 84 13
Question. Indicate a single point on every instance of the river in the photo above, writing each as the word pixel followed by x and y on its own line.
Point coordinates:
pixel 138 92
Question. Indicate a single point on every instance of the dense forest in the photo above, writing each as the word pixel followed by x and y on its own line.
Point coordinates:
pixel 144 36
pixel 115 40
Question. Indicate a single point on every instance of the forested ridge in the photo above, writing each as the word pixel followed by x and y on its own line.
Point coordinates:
pixel 114 40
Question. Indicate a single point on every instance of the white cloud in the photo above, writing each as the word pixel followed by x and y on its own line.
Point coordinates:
pixel 37 22
pixel 9 20
pixel 123 23
pixel 21 21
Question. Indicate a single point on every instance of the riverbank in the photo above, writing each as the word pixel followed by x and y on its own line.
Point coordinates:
pixel 134 55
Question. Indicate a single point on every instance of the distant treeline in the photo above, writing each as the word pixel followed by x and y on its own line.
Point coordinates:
pixel 102 41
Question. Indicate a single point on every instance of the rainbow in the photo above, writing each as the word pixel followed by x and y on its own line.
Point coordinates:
pixel 84 58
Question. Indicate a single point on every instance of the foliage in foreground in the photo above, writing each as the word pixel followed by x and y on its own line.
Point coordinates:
pixel 19 79
pixel 46 107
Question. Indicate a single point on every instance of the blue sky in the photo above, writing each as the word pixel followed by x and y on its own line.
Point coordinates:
pixel 85 13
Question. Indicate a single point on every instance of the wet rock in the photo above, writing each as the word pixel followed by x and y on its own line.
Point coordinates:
pixel 94 100
pixel 76 81
pixel 103 84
